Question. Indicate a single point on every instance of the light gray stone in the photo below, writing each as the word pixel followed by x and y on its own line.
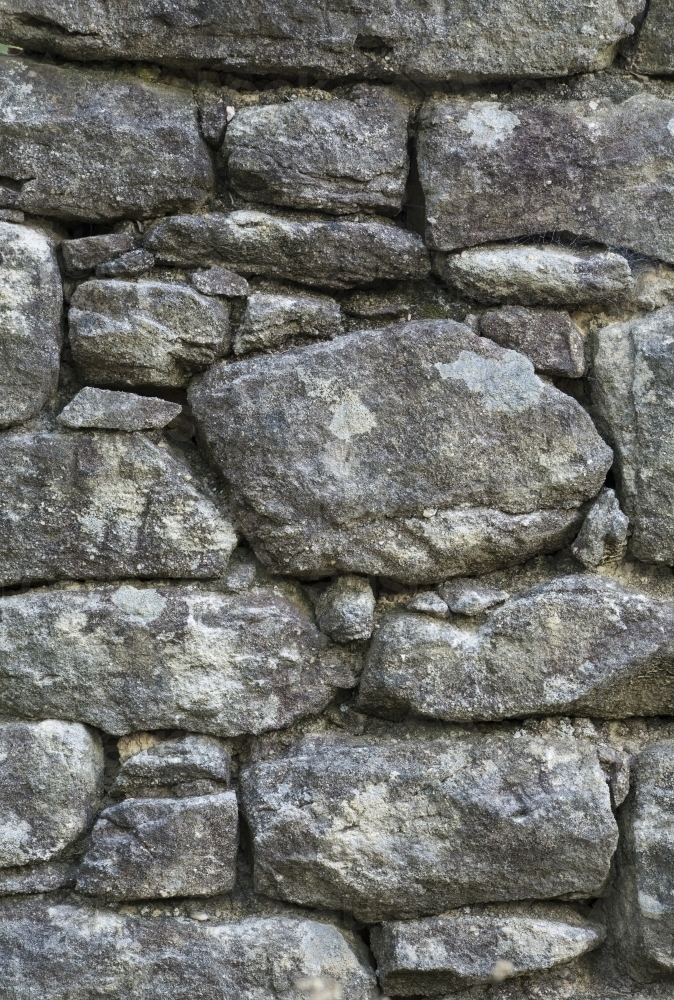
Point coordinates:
pixel 148 848
pixel 479 945
pixel 128 658
pixel 403 828
pixel 654 287
pixel 412 452
pixel 117 411
pixel 550 339
pixel 345 609
pixel 150 959
pixel 340 156
pixel 220 281
pixel 88 252
pixel 88 505
pixel 145 332
pixel 579 645
pixel 602 171
pixel 324 254
pixel 94 146
pixel 51 782
pixel 603 538
pixel 129 265
pixel 46 876
pixel 178 768
pixel 655 44
pixel 272 320
pixel 470 597
pixel 429 603
pixel 30 322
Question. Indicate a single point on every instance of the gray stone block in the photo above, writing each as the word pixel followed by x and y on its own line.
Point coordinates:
pixel 603 538
pixel 550 339
pixel 174 768
pixel 272 320
pixel 654 52
pixel 117 411
pixel 345 609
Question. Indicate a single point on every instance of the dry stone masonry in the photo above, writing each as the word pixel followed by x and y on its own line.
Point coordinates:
pixel 336 500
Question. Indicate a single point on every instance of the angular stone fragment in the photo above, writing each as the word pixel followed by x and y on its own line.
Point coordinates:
pixel 536 275
pixel 340 156
pixel 220 281
pixel 128 658
pixel 402 828
pixel 479 945
pixel 632 384
pixel 655 45
pixel 580 645
pixel 87 253
pixel 127 266
pixel 46 876
pixel 550 339
pixel 603 537
pixel 469 597
pixel 325 254
pixel 175 765
pixel 271 320
pixel 602 171
pixel 345 609
pixel 654 287
pixel 429 603
pixel 412 452
pixel 177 958
pixel 51 781
pixel 148 848
pixel 145 332
pixel 95 146
pixel 96 505
pixel 117 411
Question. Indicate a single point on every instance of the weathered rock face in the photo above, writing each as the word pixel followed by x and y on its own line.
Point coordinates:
pixel 631 378
pixel 603 537
pixel 145 332
pixel 30 322
pixel 140 658
pixel 272 320
pixel 153 959
pixel 90 145
pixel 91 505
pixel 324 254
pixel 119 411
pixel 479 945
pixel 339 156
pixel 470 597
pixel 655 46
pixel 414 827
pixel 550 339
pixel 345 609
pixel 175 768
pixel 579 645
pixel 88 252
pixel 412 452
pixel 51 781
pixel 599 170
pixel 129 265
pixel 220 281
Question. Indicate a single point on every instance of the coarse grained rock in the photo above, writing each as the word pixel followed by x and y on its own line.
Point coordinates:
pixel 145 332
pixel 412 452
pixel 328 254
pixel 128 658
pixel 220 281
pixel 129 265
pixel 93 146
pixel 119 411
pixel 470 597
pixel 331 39
pixel 345 609
pixel 404 828
pixel 478 945
pixel 580 645
pixel 44 876
pixel 271 320
pixel 654 287
pixel 174 765
pixel 94 505
pixel 654 51
pixel 339 156
pixel 603 538
pixel 148 848
pixel 632 374
pixel 603 171
pixel 51 782
pixel 549 338
pixel 88 252
pixel 428 602
pixel 151 959
pixel 31 303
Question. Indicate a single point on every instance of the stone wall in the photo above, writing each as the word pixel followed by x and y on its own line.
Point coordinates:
pixel 337 507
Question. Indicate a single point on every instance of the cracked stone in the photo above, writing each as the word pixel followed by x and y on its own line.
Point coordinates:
pixel 177 767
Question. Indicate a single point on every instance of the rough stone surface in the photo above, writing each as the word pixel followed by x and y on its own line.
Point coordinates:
pixel 117 411
pixel 579 645
pixel 93 146
pixel 429 603
pixel 140 658
pixel 272 320
pixel 146 848
pixel 89 251
pixel 45 876
pixel 599 170
pixel 412 452
pixel 470 597
pixel 31 302
pixel 324 254
pixel 603 537
pixel 413 827
pixel 51 781
pixel 338 156
pixel 654 287
pixel 145 332
pixel 83 505
pixel 178 958
pixel 129 265
pixel 550 339
pixel 479 945
pixel 345 609
pixel 220 281
pixel 655 45
pixel 176 767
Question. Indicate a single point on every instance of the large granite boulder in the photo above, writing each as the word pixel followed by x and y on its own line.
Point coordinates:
pixel 128 658
pixel 654 52
pixel 419 452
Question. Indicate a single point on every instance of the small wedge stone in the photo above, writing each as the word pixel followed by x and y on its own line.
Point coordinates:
pixel 104 409
pixel 549 338
pixel 271 320
pixel 603 538
pixel 345 609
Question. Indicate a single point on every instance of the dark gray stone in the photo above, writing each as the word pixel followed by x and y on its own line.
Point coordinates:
pixel 345 609
pixel 47 876
pixel 603 538
pixel 655 45
pixel 272 320
pixel 412 452
pixel 175 767
pixel 550 339
pixel 129 265
pixel 117 411
pixel 88 252
pixel 220 281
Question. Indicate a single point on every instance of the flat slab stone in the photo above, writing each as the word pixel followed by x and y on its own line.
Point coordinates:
pixel 118 411
pixel 654 51
pixel 145 658
pixel 30 322
pixel 83 505
pixel 411 452
pixel 95 146
pixel 403 828
pixel 129 265
pixel 173 768
pixel 493 171
pixel 272 320
pixel 220 281
pixel 88 252
pixel 549 338
pixel 177 958
pixel 557 649
pixel 50 788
